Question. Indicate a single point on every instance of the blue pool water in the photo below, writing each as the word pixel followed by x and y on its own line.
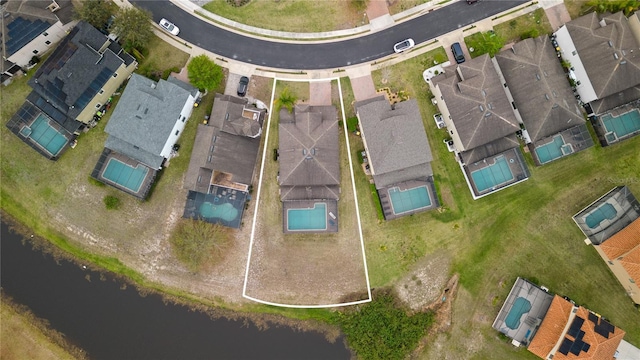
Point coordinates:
pixel 604 211
pixel 124 174
pixel 624 124
pixel 492 175
pixel 307 219
pixel 45 135
pixel 223 211
pixel 407 200
pixel 551 150
pixel 520 306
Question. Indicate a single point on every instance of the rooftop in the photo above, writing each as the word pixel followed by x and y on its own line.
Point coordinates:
pixel 76 70
pixel 144 119
pixel 396 141
pixel 477 102
pixel 309 153
pixel 625 246
pixel 608 50
pixel 569 332
pixel 539 87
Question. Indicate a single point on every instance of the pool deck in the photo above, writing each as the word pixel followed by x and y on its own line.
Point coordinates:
pixel 385 198
pixel 540 301
pixel 218 195
pixel 102 163
pixel 30 114
pixel 578 137
pixel 601 129
pixel 518 168
pixel 332 208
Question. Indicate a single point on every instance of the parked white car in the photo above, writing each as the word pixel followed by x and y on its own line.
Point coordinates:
pixel 169 27
pixel 403 45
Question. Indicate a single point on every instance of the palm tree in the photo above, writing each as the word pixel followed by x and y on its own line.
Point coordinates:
pixel 286 99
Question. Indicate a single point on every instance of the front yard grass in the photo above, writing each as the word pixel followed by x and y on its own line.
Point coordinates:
pixel 528 25
pixel 292 15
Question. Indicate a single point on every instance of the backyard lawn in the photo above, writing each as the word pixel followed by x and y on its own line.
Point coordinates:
pixel 525 230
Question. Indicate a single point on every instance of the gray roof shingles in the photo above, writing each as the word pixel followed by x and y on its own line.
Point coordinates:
pixel 539 87
pixel 309 153
pixel 74 76
pixel 145 115
pixel 610 54
pixel 233 152
pixel 478 105
pixel 396 140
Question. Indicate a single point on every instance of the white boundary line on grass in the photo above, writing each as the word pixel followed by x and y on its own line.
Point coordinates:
pixel 355 196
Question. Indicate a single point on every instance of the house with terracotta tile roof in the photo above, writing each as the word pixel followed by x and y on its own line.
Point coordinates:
pixel 612 225
pixel 573 332
pixel 557 328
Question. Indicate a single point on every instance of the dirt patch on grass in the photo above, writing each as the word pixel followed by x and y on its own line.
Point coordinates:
pixel 422 285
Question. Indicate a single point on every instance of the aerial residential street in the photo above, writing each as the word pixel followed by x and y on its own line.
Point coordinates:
pixel 328 55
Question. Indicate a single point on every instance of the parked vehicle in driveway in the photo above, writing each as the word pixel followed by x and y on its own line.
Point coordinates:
pixel 242 86
pixel 169 27
pixel 403 45
pixel 458 55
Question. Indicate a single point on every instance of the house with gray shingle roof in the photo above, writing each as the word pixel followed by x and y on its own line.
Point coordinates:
pixel 397 149
pixel 143 129
pixel 149 119
pixel 309 153
pixel 543 98
pixel 223 160
pixel 482 121
pixel 34 27
pixel 75 82
pixel 605 59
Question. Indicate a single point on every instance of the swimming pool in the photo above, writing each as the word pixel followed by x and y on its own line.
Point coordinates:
pixel 622 125
pixel 597 216
pixel 42 133
pixel 493 175
pixel 553 150
pixel 307 219
pixel 403 201
pixel 125 175
pixel 520 307
pixel 225 211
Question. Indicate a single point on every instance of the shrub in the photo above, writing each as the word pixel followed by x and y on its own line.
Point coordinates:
pixel 111 202
pixel 198 243
pixel 376 201
pixel 383 330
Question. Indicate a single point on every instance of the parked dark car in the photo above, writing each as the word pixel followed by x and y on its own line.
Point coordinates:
pixel 458 55
pixel 242 86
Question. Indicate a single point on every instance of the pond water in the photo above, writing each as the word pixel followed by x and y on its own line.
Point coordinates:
pixel 111 321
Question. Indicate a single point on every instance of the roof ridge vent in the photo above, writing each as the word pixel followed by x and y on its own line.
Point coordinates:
pixel 615 55
pixel 603 23
pixel 481 108
pixel 610 43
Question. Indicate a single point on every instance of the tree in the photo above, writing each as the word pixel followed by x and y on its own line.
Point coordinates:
pixel 204 73
pixel 286 99
pixel 95 12
pixel 613 6
pixel 197 243
pixel 133 26
pixel 491 43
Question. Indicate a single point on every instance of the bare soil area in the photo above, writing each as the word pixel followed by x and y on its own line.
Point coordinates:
pixel 304 269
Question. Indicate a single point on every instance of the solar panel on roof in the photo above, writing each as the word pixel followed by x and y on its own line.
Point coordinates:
pixel 576 347
pixel 565 346
pixel 585 347
pixel 580 335
pixel 593 318
pixel 607 325
pixel 575 326
pixel 601 331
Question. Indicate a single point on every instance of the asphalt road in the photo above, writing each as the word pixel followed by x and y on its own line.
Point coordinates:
pixel 326 55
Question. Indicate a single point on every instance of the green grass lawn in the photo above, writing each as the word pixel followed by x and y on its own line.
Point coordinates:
pixel 292 15
pixel 532 24
pixel 525 230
